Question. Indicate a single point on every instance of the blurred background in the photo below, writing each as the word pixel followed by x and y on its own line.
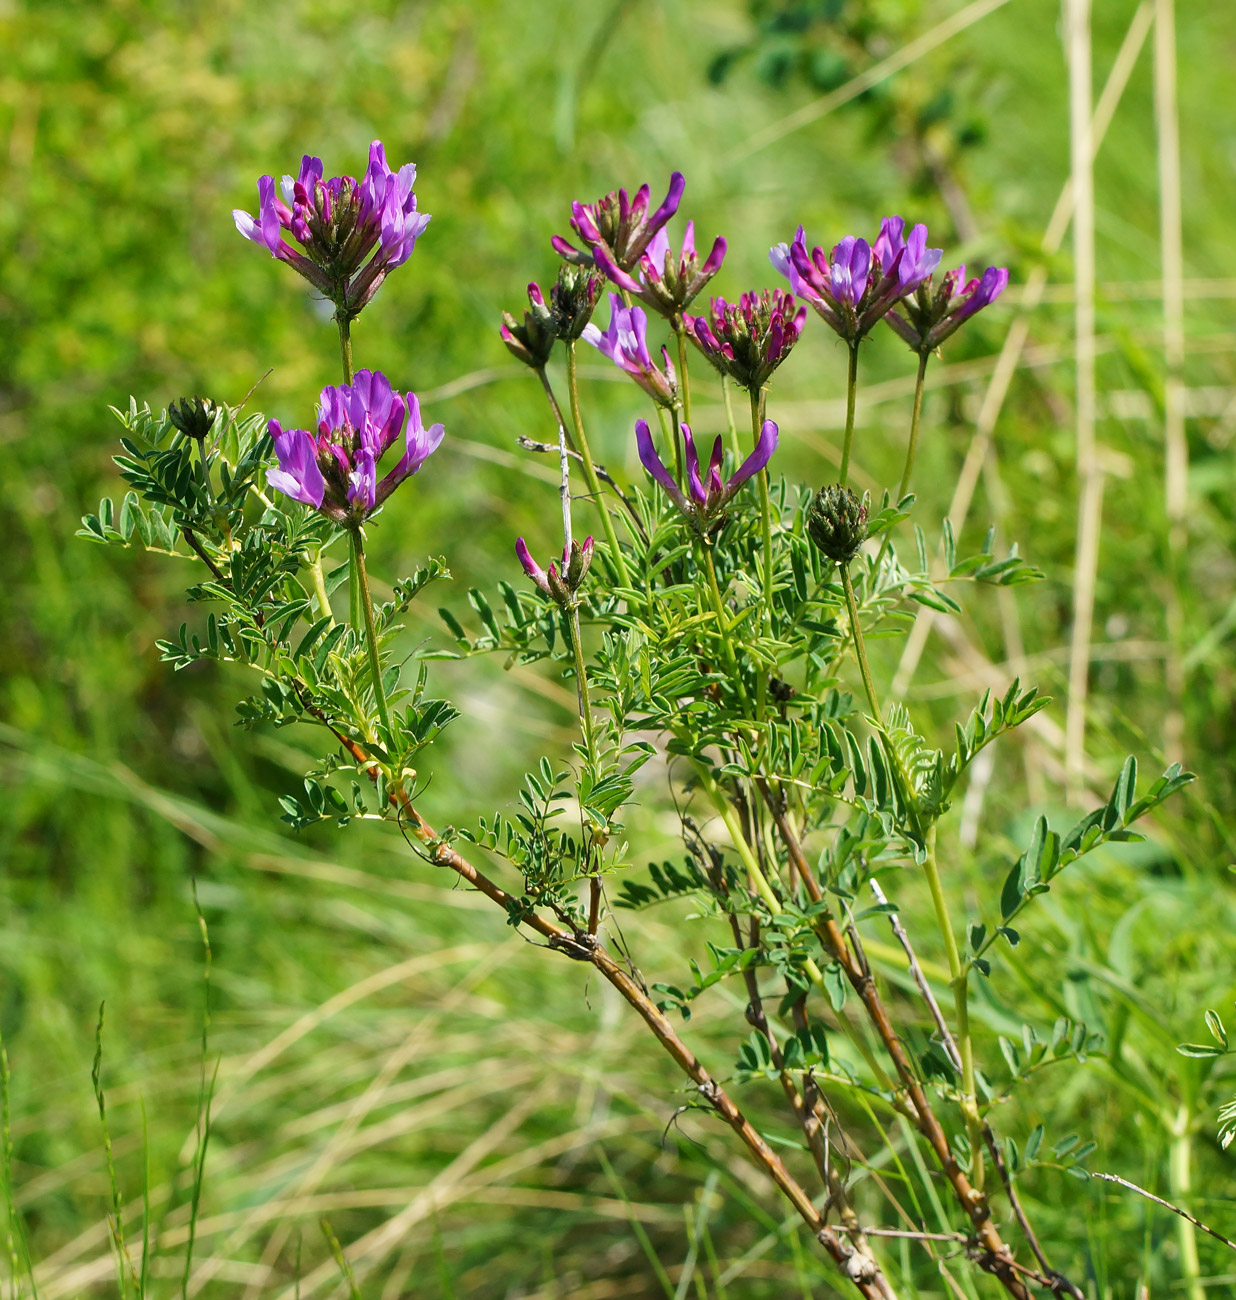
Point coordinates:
pixel 473 1118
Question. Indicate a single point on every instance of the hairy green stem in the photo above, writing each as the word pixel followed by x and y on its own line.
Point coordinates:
pixel 851 392
pixel 860 649
pixel 371 629
pixel 590 473
pixel 581 687
pixel 726 392
pixel 911 446
pixel 684 375
pixel 718 608
pixel 345 344
pixel 904 487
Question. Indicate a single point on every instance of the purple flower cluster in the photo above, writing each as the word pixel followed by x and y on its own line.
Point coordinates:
pixel 749 339
pixel 335 469
pixel 620 226
pixel 625 343
pixel 339 223
pixel 855 285
pixel 631 246
pixel 562 585
pixel 667 283
pixel 706 496
pixel 925 319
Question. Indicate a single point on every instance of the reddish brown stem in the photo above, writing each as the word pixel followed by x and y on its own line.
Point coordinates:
pixel 861 1268
pixel 998 1258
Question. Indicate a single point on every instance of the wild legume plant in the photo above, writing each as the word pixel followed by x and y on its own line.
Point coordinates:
pixel 715 634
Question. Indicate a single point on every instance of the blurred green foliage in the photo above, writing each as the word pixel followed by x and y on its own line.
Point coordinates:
pixel 460 1094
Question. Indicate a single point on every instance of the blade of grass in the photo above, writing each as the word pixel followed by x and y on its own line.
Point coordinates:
pixel 636 1226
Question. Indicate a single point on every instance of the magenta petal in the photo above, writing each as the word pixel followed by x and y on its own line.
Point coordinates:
pixel 670 205
pixel 298 475
pixel 759 458
pixel 652 463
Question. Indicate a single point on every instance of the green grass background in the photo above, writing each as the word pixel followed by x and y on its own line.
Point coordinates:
pixel 484 1122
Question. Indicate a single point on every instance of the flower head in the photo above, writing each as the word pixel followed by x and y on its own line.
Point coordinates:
pixel 625 343
pixel 925 319
pixel 620 225
pixel 335 469
pixel 837 522
pixel 339 223
pixel 855 285
pixel 193 416
pixel 562 585
pixel 749 339
pixel 572 299
pixel 706 495
pixel 667 283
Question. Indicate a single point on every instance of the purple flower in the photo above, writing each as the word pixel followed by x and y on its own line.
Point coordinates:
pixel 336 469
pixel 706 496
pixel 625 343
pixel 916 262
pixel 666 283
pixel 621 225
pixel 925 319
pixel 855 285
pixel 562 585
pixel 339 223
pixel 749 339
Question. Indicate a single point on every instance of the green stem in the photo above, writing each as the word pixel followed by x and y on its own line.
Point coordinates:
pixel 718 608
pixel 590 473
pixel 766 530
pixel 959 982
pixel 371 629
pixel 851 391
pixel 729 415
pixel 581 688
pixel 923 358
pixel 684 375
pixel 860 650
pixel 345 345
pixel 887 543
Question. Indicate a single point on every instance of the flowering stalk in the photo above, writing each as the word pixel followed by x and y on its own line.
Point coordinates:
pixel 914 418
pixel 851 394
pixel 371 631
pixel 590 472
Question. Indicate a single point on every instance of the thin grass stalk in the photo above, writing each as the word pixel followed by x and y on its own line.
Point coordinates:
pixel 1175 442
pixel 1019 332
pixel 1089 474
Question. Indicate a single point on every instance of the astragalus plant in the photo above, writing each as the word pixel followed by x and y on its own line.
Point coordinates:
pixel 712 621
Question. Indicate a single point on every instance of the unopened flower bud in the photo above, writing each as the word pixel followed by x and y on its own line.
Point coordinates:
pixel 574 297
pixel 193 416
pixel 837 522
pixel 577 563
pixel 558 589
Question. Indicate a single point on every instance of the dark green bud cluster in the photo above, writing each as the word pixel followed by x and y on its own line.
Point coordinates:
pixel 193 416
pixel 572 300
pixel 837 522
